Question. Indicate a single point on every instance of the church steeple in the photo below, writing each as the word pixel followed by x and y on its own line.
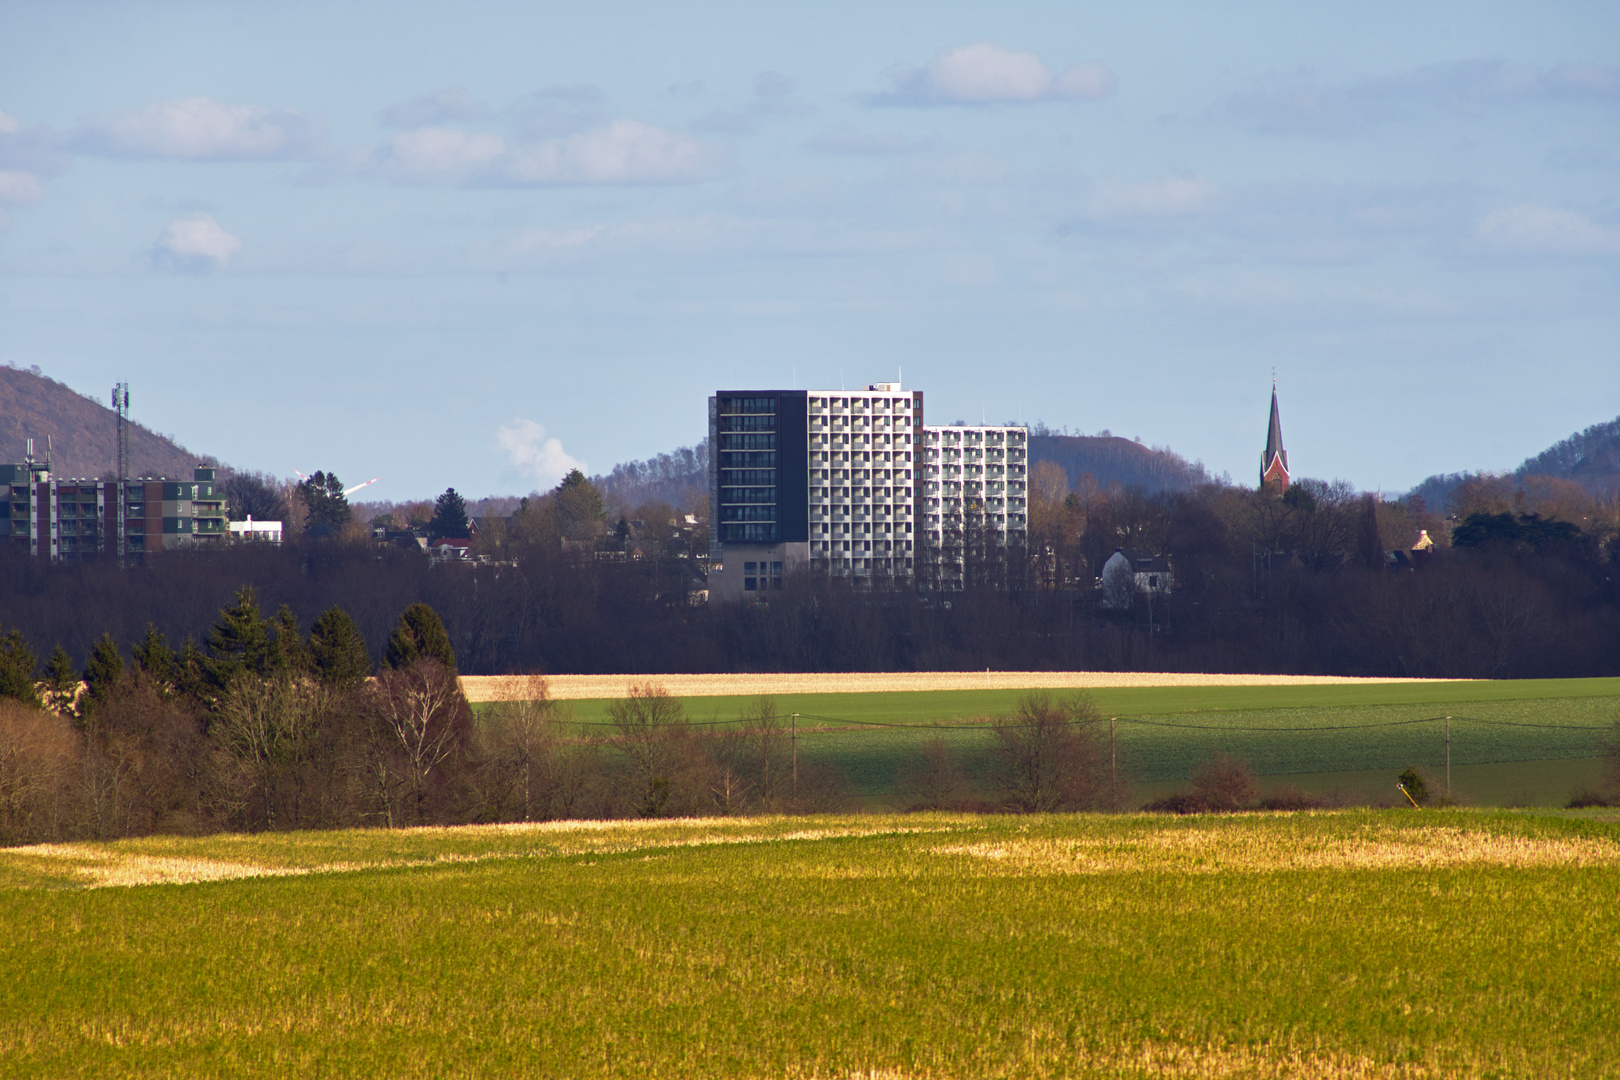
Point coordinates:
pixel 1274 462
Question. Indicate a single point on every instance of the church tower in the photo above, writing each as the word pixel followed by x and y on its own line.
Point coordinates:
pixel 1274 462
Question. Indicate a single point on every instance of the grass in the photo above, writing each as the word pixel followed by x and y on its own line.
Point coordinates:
pixel 1352 944
pixel 1312 735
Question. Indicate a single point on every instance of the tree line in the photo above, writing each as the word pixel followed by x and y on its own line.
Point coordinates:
pixel 264 727
pixel 1522 581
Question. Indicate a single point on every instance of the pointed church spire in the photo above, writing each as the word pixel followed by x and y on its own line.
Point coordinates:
pixel 1274 462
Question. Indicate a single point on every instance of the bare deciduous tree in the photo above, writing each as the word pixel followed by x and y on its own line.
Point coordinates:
pixel 1050 756
pixel 421 714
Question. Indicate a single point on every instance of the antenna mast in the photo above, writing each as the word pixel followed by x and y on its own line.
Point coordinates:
pixel 120 400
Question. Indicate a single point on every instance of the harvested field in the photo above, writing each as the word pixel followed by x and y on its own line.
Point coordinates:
pixel 587 687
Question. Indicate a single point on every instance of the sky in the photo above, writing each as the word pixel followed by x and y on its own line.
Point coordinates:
pixel 479 244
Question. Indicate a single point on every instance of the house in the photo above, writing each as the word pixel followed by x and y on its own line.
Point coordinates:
pixel 1127 573
pixel 255 532
pixel 445 549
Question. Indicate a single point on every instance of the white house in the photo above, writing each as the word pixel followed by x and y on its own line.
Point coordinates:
pixel 259 532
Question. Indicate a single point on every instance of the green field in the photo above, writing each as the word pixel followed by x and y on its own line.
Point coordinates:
pixel 1347 944
pixel 1526 742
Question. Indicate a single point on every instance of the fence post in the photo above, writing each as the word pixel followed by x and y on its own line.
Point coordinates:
pixel 795 740
pixel 1448 757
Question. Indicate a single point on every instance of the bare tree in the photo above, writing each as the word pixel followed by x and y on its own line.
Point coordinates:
pixel 1050 756
pixel 267 729
pixel 38 755
pixel 420 712
pixel 934 781
pixel 530 765
pixel 654 743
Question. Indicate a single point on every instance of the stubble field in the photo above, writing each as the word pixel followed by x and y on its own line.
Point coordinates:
pixel 1345 944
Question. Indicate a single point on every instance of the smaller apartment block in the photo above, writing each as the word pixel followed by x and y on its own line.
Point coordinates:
pixel 64 520
pixel 974 494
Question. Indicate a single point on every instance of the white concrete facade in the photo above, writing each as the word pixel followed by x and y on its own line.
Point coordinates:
pixel 975 480
pixel 864 481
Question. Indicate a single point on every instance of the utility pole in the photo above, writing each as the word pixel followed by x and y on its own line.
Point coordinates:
pixel 120 401
pixel 1448 757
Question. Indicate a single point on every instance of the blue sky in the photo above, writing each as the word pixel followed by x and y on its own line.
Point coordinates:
pixel 475 244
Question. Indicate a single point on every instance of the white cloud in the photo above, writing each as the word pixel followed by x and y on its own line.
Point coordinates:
pixel 202 129
pixel 1168 197
pixel 20 187
pixel 1545 230
pixel 983 73
pixel 621 152
pixel 9 125
pixel 535 457
pixel 195 243
pixel 440 150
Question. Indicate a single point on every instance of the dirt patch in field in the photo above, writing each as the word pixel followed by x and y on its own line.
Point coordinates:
pixel 583 687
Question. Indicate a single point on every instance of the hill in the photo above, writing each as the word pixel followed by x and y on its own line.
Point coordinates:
pixel 1113 460
pixel 1590 458
pixel 84 431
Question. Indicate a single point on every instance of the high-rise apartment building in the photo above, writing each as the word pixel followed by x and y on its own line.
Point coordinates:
pixel 834 480
pixel 64 520
pixel 975 495
pixel 824 478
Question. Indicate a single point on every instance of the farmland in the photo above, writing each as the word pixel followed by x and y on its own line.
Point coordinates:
pixel 1526 742
pixel 1345 944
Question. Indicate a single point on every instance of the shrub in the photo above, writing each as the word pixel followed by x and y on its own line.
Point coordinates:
pixel 1225 783
pixel 1416 784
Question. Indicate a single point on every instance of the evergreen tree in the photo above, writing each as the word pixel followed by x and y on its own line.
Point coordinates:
pixel 338 652
pixel 450 517
pixel 154 658
pixel 579 507
pixel 291 654
pixel 61 683
pixel 419 633
pixel 328 507
pixel 240 642
pixel 102 670
pixel 17 666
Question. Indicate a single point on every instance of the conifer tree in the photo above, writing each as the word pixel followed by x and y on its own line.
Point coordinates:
pixel 154 658
pixel 102 670
pixel 450 517
pixel 61 683
pixel 240 641
pixel 291 654
pixel 18 663
pixel 328 507
pixel 338 652
pixel 419 633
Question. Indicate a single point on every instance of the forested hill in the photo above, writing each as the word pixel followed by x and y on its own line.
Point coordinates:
pixel 1113 460
pixel 1590 458
pixel 84 432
